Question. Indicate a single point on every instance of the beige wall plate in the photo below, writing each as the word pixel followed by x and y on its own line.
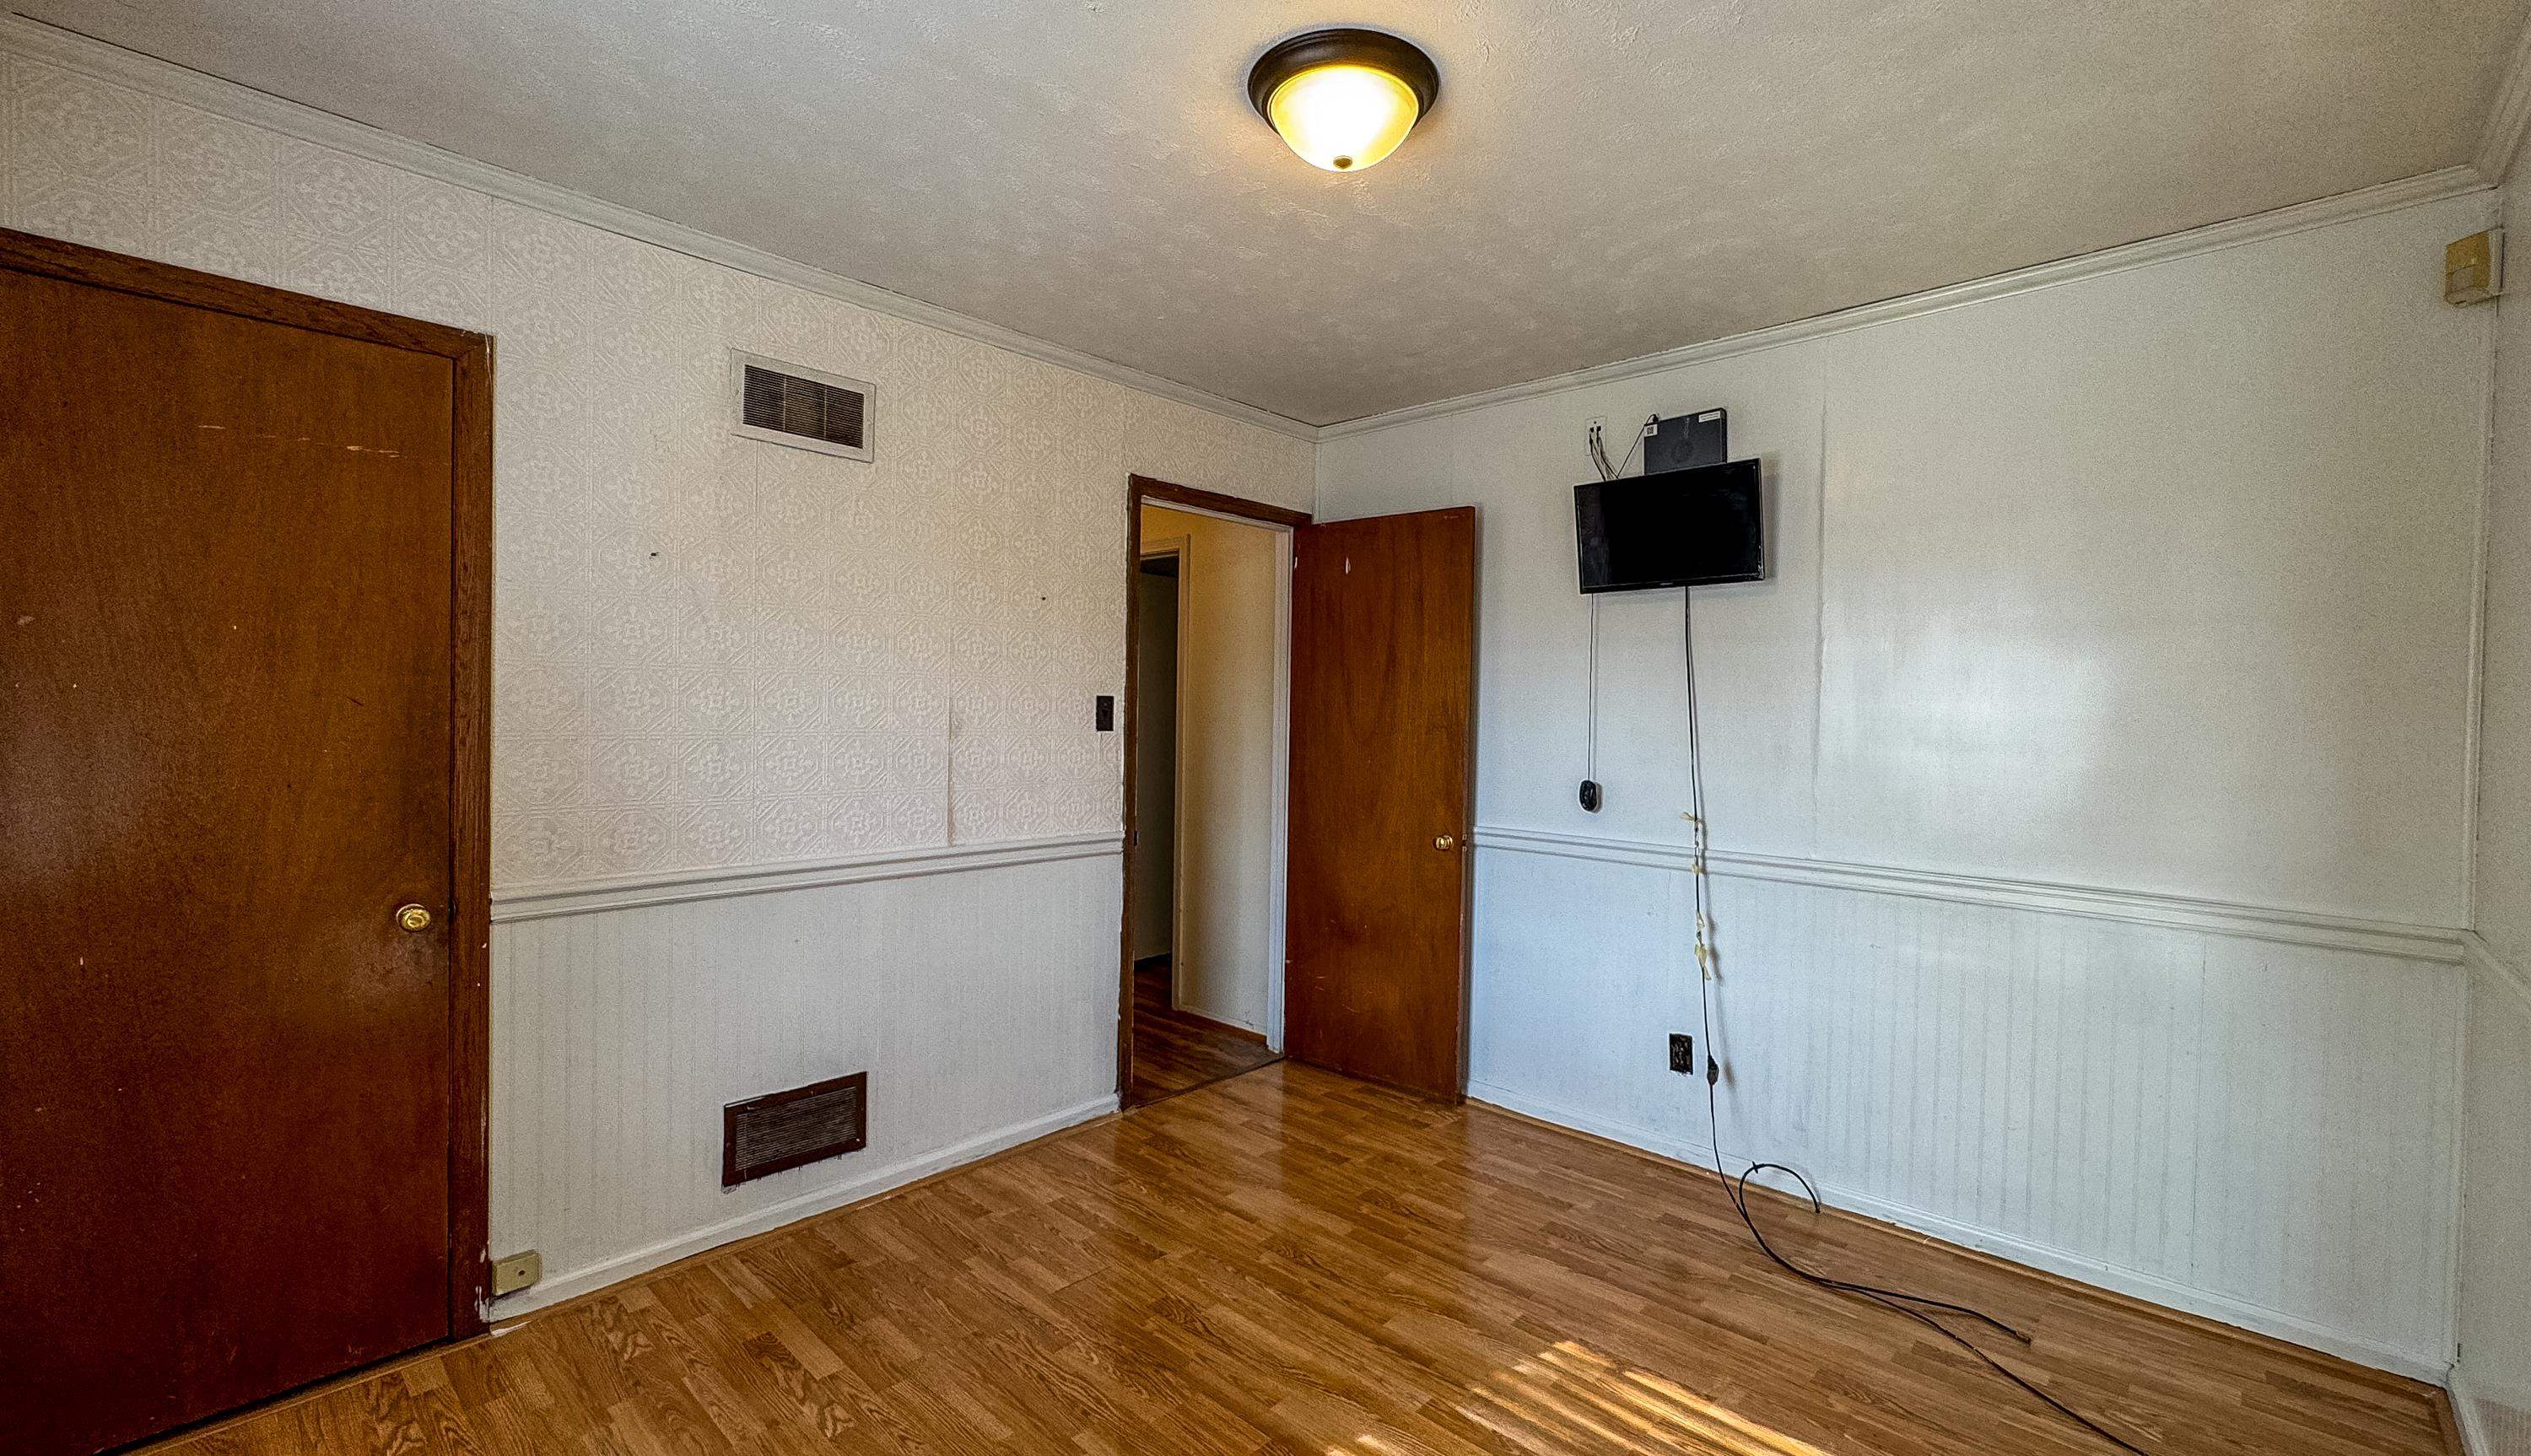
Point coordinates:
pixel 2474 267
pixel 517 1272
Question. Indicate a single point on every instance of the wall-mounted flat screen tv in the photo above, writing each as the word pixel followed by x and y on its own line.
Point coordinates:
pixel 1693 528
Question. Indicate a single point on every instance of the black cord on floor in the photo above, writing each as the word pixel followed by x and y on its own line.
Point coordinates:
pixel 1737 1190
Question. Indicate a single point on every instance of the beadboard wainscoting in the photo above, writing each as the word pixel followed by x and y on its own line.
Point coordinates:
pixel 2491 1386
pixel 2247 1121
pixel 977 987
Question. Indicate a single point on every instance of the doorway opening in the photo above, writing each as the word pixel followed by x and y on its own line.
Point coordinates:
pixel 1207 724
pixel 1357 859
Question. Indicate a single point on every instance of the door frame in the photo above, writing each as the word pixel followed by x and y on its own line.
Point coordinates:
pixel 1141 490
pixel 469 701
pixel 1181 549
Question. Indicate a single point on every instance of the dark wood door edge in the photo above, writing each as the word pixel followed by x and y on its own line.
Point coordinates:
pixel 1149 488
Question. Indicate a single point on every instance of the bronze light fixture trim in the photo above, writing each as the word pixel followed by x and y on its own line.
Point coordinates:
pixel 1343 98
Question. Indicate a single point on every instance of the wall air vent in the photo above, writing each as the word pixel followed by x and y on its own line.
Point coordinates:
pixel 788 1128
pixel 788 404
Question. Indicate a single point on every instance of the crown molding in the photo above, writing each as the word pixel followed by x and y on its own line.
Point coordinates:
pixel 2436 944
pixel 633 891
pixel 2371 201
pixel 2506 125
pixel 2509 118
pixel 35 40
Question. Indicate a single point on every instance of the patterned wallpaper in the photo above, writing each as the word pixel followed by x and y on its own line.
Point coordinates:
pixel 710 651
pixel 1603 179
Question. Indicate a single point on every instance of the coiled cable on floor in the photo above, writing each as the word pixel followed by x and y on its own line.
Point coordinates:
pixel 1736 1190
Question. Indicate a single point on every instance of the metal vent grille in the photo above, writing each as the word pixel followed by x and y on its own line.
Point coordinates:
pixel 803 407
pixel 787 1129
pixel 788 404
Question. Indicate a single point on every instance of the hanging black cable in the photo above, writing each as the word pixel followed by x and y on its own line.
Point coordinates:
pixel 1596 445
pixel 1736 1191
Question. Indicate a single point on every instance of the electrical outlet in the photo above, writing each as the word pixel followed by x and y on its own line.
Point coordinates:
pixel 1682 1054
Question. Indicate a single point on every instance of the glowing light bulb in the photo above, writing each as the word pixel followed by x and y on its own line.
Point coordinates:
pixel 1343 117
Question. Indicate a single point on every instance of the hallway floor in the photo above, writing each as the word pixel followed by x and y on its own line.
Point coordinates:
pixel 1176 1051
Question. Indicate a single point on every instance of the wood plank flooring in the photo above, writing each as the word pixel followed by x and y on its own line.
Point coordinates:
pixel 1177 1050
pixel 1289 1263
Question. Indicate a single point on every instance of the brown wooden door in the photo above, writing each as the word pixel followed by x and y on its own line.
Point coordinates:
pixel 1383 677
pixel 226 758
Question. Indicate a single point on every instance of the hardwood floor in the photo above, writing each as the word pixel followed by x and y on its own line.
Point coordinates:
pixel 1288 1262
pixel 1175 1050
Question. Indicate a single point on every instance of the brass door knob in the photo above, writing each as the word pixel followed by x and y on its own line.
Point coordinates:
pixel 413 918
pixel 1445 841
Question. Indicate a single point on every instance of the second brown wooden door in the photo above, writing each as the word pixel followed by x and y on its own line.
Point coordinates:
pixel 1384 674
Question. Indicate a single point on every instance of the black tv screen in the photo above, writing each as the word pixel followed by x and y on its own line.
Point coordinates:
pixel 1690 528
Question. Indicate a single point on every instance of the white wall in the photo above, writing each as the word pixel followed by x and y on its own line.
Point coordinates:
pixel 2103 731
pixel 2504 903
pixel 1228 669
pixel 728 667
pixel 2492 1386
pixel 2493 1383
pixel 713 656
pixel 982 1001
pixel 1156 763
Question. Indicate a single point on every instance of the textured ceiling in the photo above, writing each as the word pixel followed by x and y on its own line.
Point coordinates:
pixel 1602 179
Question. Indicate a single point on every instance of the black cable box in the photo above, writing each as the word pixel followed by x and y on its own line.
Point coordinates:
pixel 1685 440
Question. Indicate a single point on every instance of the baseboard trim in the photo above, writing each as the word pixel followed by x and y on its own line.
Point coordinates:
pixel 2490 1421
pixel 1227 1028
pixel 625 892
pixel 2474 1438
pixel 2135 1284
pixel 592 1277
pixel 2436 944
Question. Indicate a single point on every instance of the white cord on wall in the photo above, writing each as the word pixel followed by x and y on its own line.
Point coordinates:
pixel 1590 750
pixel 1921 1309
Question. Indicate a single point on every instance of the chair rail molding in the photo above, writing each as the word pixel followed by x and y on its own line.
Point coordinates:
pixel 2436 944
pixel 624 892
pixel 2499 970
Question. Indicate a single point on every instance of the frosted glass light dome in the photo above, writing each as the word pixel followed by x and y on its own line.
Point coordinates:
pixel 1343 118
pixel 1343 99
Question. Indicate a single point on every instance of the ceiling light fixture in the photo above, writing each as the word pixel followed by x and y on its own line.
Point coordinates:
pixel 1343 98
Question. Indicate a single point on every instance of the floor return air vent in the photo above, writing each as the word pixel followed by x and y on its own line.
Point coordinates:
pixel 788 1128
